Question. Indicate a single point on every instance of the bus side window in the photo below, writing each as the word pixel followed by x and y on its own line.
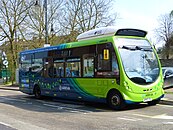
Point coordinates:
pixel 58 68
pixel 26 62
pixel 73 67
pixel 59 71
pixel 88 65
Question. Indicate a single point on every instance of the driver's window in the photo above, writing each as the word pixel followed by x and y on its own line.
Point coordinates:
pixel 107 63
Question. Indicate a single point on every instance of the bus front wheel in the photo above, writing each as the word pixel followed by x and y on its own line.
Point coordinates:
pixel 115 100
pixel 37 92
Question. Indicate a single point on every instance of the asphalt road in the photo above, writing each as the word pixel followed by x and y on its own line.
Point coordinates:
pixel 24 112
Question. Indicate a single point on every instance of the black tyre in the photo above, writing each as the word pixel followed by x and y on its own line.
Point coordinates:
pixel 115 100
pixel 37 92
pixel 154 102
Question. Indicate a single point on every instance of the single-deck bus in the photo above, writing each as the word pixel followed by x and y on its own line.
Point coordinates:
pixel 117 67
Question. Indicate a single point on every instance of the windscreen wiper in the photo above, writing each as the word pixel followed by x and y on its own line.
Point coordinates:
pixel 144 48
pixel 133 48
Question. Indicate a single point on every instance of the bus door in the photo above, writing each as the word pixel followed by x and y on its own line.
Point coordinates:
pixel 94 76
pixel 89 81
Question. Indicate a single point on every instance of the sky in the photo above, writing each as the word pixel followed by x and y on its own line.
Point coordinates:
pixel 142 14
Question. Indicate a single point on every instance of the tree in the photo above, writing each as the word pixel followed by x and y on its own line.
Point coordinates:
pixel 171 14
pixel 33 29
pixel 165 33
pixel 12 15
pixel 82 15
pixel 66 19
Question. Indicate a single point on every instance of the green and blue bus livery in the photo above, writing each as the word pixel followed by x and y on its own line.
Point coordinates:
pixel 117 67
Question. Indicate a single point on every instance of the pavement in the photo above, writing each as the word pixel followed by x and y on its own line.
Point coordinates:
pixel 168 98
pixel 10 87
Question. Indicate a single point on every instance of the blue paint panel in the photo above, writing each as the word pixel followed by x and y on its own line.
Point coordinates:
pixel 59 47
pixel 55 87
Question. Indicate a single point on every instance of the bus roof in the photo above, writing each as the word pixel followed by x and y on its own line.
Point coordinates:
pixel 110 31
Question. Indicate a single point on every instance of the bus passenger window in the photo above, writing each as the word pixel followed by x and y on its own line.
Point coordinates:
pixel 58 68
pixel 73 67
pixel 88 65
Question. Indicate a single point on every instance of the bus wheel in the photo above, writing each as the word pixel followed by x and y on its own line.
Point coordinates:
pixel 154 102
pixel 115 100
pixel 37 92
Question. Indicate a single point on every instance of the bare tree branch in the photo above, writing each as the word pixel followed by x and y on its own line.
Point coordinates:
pixel 165 33
pixel 82 15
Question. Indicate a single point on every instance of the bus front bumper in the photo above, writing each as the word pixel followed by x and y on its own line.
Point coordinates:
pixel 131 98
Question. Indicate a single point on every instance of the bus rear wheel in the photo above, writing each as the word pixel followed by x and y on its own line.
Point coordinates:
pixel 115 100
pixel 37 92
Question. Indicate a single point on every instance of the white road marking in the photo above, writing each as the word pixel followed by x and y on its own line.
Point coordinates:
pixel 68 108
pixel 164 98
pixel 168 123
pixel 162 116
pixel 147 116
pixel 5 124
pixel 129 118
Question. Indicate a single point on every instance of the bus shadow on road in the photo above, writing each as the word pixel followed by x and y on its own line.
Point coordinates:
pixel 94 106
pixel 104 107
pixel 48 104
pixel 166 102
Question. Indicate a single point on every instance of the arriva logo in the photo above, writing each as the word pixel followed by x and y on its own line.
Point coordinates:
pixel 64 88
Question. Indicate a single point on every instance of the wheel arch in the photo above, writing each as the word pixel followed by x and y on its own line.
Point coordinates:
pixel 114 90
pixel 34 86
pixel 115 99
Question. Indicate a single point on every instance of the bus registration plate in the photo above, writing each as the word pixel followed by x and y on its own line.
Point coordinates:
pixel 147 99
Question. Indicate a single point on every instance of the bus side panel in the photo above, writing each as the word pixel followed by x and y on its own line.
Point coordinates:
pixel 70 88
pixel 98 87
